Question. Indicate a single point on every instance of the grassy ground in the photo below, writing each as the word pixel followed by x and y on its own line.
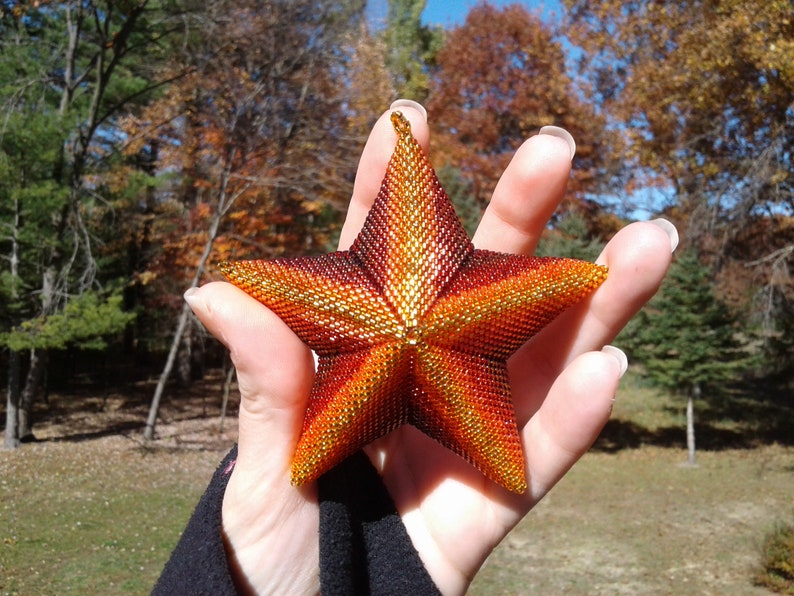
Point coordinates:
pixel 638 522
pixel 93 521
pixel 632 518
pixel 91 509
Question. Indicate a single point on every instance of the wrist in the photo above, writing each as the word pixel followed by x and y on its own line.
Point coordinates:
pixel 271 536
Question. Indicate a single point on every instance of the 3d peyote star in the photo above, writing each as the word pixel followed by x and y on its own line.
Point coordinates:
pixel 413 325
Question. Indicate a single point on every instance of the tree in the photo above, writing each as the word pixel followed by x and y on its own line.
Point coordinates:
pixel 458 188
pixel 686 340
pixel 498 78
pixel 85 323
pixel 252 140
pixel 410 48
pixel 755 278
pixel 704 88
pixel 369 85
pixel 571 238
pixel 68 69
pixel 703 92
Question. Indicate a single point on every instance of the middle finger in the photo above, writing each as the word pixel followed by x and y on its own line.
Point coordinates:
pixel 527 194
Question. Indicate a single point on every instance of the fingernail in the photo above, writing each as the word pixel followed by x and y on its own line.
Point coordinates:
pixel 190 297
pixel 618 355
pixel 669 229
pixel 560 133
pixel 409 103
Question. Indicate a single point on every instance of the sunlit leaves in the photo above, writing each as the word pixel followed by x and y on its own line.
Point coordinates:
pixel 705 90
pixel 499 78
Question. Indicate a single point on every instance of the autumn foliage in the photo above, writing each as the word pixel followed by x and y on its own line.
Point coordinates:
pixel 704 94
pixel 142 142
pixel 498 79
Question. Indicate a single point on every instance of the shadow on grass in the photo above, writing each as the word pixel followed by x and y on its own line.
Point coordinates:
pixel 117 428
pixel 747 418
pixel 187 418
pixel 750 416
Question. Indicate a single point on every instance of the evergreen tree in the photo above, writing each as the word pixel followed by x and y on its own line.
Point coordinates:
pixel 467 207
pixel 67 69
pixel 686 339
pixel 410 48
pixel 570 238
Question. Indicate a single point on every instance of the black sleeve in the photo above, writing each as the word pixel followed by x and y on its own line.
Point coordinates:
pixel 364 547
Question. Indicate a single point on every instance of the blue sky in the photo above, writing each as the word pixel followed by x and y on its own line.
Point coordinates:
pixel 449 13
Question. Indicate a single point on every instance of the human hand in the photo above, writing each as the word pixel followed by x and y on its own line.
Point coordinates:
pixel 563 384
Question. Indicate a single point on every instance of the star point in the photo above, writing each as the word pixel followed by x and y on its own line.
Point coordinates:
pixel 413 325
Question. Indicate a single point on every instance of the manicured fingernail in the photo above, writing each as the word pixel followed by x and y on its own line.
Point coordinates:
pixel 190 297
pixel 560 133
pixel 409 103
pixel 618 355
pixel 669 229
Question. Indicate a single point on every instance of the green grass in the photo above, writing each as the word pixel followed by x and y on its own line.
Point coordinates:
pixel 93 517
pixel 87 511
pixel 640 522
pixel 631 518
pixel 642 404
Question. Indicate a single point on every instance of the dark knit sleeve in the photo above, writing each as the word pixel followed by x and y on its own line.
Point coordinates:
pixel 364 546
pixel 198 564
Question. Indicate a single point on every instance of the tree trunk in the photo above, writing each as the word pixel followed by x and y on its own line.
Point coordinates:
pixel 151 421
pixel 227 384
pixel 185 359
pixel 38 365
pixel 223 205
pixel 38 361
pixel 690 424
pixel 11 439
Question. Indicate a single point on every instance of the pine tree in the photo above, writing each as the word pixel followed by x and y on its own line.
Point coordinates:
pixel 570 238
pixel 468 208
pixel 67 70
pixel 686 339
pixel 411 47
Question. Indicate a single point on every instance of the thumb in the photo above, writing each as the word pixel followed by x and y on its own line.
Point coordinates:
pixel 274 374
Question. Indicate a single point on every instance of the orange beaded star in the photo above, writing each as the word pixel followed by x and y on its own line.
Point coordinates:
pixel 413 325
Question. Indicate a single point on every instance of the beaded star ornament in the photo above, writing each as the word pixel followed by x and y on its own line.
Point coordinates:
pixel 413 325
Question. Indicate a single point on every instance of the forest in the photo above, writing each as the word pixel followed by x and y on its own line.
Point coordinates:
pixel 144 141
